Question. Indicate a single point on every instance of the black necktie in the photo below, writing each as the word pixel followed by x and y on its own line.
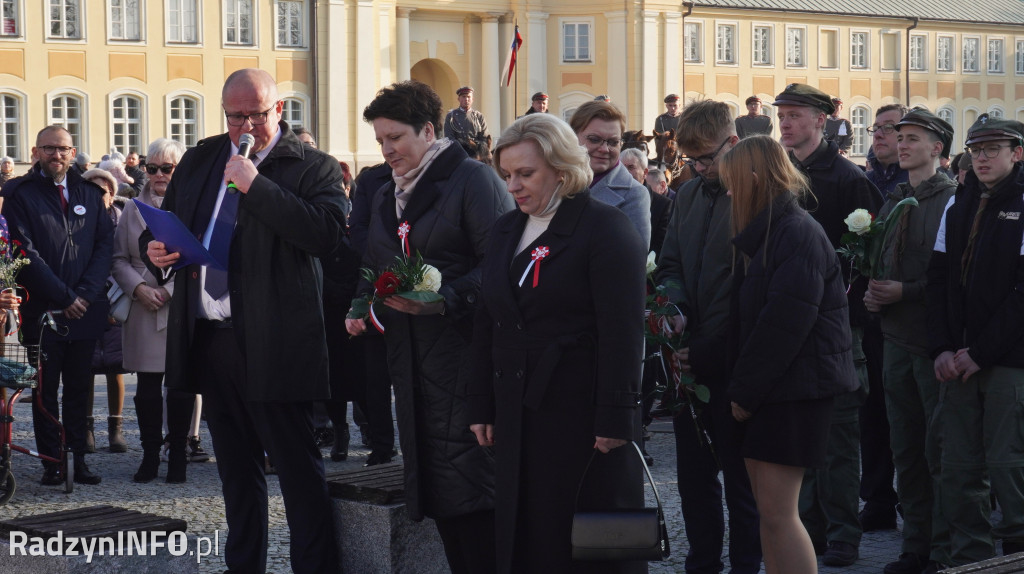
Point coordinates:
pixel 220 244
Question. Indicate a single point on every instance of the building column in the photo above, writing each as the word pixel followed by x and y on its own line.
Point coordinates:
pixel 335 123
pixel 490 71
pixel 385 35
pixel 617 52
pixel 536 43
pixel 366 80
pixel 402 39
pixel 650 81
pixel 672 57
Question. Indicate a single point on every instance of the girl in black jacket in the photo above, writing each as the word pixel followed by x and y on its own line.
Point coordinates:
pixel 793 333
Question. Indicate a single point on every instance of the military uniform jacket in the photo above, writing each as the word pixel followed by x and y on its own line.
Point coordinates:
pixel 753 125
pixel 464 125
pixel 665 122
pixel 839 131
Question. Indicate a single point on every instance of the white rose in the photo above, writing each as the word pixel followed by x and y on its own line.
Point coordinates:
pixel 651 264
pixel 431 280
pixel 859 221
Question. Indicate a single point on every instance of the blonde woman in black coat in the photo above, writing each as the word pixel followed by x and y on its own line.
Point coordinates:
pixel 558 345
pixel 793 350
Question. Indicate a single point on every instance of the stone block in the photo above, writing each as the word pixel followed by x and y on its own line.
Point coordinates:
pixel 381 539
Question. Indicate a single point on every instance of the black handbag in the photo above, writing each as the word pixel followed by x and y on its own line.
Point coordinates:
pixel 621 533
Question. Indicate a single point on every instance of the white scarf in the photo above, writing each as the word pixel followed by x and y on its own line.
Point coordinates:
pixel 404 184
pixel 537 224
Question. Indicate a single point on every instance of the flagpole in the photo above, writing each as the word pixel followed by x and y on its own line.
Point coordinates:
pixel 515 93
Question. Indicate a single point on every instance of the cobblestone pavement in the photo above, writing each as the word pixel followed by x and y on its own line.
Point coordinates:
pixel 199 500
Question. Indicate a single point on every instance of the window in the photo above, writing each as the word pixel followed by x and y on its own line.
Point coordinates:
pixel 996 113
pixel 971 54
pixel 575 41
pixel 185 120
pixel 294 112
pixel 859 122
pixel 10 120
pixel 762 45
pixel 127 123
pixel 182 22
pixel 66 111
pixel 291 24
pixel 125 20
pixel 944 54
pixel 725 44
pixel 65 19
pixel 1020 57
pixel 918 53
pixel 795 47
pixel 948 114
pixel 10 18
pixel 238 22
pixel 828 49
pixel 859 50
pixel 692 42
pixel 890 51
pixel 995 56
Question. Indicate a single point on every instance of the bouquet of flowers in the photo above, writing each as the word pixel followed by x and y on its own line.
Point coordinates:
pixel 862 244
pixel 409 277
pixel 12 259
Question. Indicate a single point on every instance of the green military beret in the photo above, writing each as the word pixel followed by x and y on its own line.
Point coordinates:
pixel 804 95
pixel 988 129
pixel 923 118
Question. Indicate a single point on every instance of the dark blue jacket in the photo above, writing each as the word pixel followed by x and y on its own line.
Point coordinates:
pixel 987 313
pixel 70 255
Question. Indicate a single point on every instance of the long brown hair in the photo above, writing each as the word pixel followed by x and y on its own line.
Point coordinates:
pixel 756 171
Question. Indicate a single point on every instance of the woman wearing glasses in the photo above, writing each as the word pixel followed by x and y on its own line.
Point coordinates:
pixel 599 126
pixel 145 329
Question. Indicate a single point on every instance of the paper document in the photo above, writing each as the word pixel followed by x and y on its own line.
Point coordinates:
pixel 167 228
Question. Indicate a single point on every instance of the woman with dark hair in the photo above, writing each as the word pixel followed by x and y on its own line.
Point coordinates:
pixel 563 286
pixel 793 350
pixel 449 204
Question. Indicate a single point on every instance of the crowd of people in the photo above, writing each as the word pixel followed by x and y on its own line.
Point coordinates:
pixel 529 365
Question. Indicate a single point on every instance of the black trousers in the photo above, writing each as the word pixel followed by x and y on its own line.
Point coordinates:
pixel 469 542
pixel 69 362
pixel 241 430
pixel 877 468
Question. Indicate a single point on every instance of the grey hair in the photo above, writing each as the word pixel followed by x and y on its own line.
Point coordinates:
pixel 167 149
pixel 6 159
pixel 635 154
pixel 658 174
pixel 558 145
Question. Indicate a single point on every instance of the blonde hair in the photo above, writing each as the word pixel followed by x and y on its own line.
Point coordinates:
pixel 756 171
pixel 558 145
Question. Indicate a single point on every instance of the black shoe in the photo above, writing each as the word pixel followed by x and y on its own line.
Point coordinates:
pixel 877 519
pixel 52 477
pixel 840 554
pixel 376 458
pixel 909 563
pixel 933 567
pixel 195 450
pixel 324 437
pixel 149 467
pixel 364 435
pixel 82 473
pixel 1014 546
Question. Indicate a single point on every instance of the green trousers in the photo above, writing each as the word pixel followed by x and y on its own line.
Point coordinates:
pixel 911 401
pixel 830 497
pixel 982 440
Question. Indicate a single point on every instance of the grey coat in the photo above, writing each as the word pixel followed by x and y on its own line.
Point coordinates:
pixel 144 337
pixel 619 189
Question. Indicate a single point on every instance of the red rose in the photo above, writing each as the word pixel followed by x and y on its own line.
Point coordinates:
pixel 387 284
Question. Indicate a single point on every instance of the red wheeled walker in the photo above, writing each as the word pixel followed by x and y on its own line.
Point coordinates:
pixel 21 367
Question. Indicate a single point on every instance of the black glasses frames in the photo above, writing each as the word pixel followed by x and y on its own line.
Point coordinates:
pixel 166 169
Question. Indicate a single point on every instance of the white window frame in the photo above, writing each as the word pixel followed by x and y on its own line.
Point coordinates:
pixel 919 46
pixel 83 113
pixel 860 55
pixel 569 102
pixel 174 9
pixel 303 25
pixel 1019 57
pixel 897 45
pixel 976 40
pixel 22 152
pixel 1000 58
pixel 16 21
pixel 948 114
pixel 767 57
pixel 693 47
pixel 725 48
pixel 861 138
pixel 169 101
pixel 140 21
pixel 227 5
pixel 951 56
pixel 113 122
pixel 64 4
pixel 301 99
pixel 997 112
pixel 802 63
pixel 563 24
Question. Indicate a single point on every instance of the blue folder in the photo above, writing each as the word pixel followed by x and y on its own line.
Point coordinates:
pixel 167 228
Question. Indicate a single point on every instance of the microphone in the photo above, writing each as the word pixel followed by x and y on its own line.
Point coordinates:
pixel 245 143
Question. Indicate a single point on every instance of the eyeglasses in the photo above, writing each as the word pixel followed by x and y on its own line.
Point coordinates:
pixel 257 119
pixel 709 160
pixel 63 150
pixel 886 129
pixel 167 168
pixel 990 151
pixel 596 141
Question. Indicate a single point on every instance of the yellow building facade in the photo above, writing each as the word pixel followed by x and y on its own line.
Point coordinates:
pixel 120 73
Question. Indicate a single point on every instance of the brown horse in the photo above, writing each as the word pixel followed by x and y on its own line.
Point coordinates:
pixel 670 159
pixel 636 140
